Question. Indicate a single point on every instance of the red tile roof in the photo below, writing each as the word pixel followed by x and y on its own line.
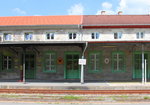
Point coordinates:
pixel 40 20
pixel 76 20
pixel 116 19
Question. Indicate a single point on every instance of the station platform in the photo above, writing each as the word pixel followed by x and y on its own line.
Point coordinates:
pixel 76 86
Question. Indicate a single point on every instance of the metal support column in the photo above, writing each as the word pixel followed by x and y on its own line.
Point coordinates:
pixel 82 66
pixel 145 79
pixel 82 72
pixel 24 69
pixel 143 64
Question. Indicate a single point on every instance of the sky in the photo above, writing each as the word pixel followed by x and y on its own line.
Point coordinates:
pixel 72 7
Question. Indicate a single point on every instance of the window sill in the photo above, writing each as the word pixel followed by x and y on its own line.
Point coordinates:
pixel 29 40
pixel 95 71
pixel 7 40
pixel 118 71
pixel 9 70
pixel 52 71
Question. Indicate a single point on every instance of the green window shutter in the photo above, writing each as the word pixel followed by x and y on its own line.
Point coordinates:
pixel 118 61
pixel 49 65
pixel 95 62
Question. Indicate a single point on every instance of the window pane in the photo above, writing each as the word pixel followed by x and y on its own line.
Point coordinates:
pixel 52 35
pixel 70 36
pixel 92 57
pixel 76 56
pixel 97 65
pixel 74 35
pixel 75 64
pixel 142 35
pixel 115 65
pixel 119 35
pixel 97 35
pixel 97 56
pixel 7 36
pixel 92 36
pixel 121 65
pixel 69 57
pixel 28 36
pixel 69 65
pixel 52 63
pixel 52 67
pixel 48 36
pixel 92 65
pixel 137 35
pixel 115 36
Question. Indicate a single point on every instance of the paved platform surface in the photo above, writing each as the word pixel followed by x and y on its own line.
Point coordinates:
pixel 76 86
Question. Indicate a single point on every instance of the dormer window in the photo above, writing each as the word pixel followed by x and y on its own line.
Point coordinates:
pixel 49 36
pixel 7 36
pixel 117 35
pixel 72 35
pixel 28 36
pixel 95 35
pixel 140 35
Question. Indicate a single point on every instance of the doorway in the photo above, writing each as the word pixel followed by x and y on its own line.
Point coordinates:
pixel 30 70
pixel 137 64
pixel 72 70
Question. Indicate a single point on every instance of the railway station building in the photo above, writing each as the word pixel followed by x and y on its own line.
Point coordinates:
pixel 48 48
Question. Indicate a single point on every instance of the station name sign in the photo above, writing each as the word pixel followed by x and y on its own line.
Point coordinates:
pixel 82 61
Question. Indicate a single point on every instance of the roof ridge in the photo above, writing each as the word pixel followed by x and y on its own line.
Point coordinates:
pixel 40 16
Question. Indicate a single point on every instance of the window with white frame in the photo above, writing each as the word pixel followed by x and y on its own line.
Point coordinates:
pixel 117 35
pixel 49 36
pixel 28 36
pixel 95 64
pixel 7 36
pixel 95 35
pixel 72 35
pixel 140 35
pixel 7 63
pixel 118 62
pixel 50 62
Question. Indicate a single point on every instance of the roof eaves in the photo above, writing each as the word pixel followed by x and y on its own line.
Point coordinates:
pixel 36 25
pixel 114 24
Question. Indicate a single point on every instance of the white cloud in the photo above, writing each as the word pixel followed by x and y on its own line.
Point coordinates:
pixel 106 5
pixel 127 6
pixel 19 11
pixel 122 5
pixel 76 9
pixel 134 6
pixel 37 15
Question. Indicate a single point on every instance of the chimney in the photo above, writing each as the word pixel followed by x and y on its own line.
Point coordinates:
pixel 120 12
pixel 103 12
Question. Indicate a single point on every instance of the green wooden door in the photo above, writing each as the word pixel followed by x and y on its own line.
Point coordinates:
pixel 30 66
pixel 137 73
pixel 72 66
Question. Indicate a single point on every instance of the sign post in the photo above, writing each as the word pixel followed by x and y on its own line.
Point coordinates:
pixel 82 62
pixel 145 79
pixel 143 65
